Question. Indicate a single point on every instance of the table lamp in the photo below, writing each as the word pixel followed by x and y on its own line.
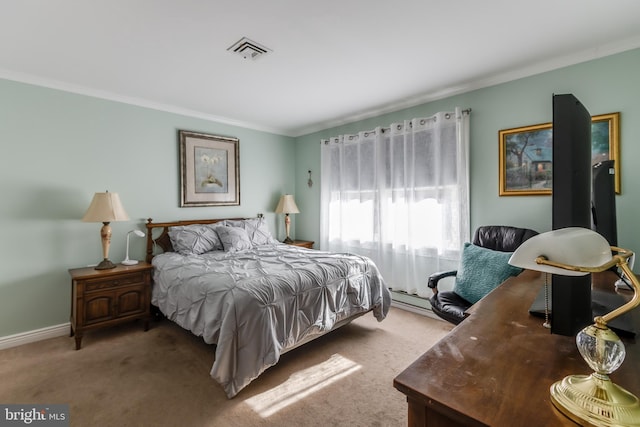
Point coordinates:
pixel 128 261
pixel 105 208
pixel 287 205
pixel 588 399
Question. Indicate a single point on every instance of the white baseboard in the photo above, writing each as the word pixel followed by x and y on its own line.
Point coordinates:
pixel 35 335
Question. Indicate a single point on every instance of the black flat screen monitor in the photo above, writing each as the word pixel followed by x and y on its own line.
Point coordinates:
pixel 603 201
pixel 571 207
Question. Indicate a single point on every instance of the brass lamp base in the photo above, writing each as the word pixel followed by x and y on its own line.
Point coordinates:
pixel 593 400
pixel 105 265
pixel 287 240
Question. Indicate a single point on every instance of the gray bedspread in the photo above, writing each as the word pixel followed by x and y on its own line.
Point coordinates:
pixel 258 303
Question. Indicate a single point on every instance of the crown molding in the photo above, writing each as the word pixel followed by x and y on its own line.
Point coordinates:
pixel 139 102
pixel 504 77
pixel 499 78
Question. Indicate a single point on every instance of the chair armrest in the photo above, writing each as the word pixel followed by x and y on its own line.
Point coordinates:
pixel 433 280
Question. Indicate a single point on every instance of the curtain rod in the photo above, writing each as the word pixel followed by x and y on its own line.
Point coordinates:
pixel 385 129
pixel 465 111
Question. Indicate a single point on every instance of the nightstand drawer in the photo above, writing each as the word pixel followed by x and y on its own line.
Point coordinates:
pixel 114 282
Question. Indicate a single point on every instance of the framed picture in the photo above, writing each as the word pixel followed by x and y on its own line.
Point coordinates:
pixel 209 170
pixel 605 142
pixel 526 154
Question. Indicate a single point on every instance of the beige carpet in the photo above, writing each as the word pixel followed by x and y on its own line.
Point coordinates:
pixel 126 377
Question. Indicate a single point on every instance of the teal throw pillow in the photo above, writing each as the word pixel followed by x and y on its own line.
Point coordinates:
pixel 481 270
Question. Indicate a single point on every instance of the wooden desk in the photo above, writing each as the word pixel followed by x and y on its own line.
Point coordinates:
pixel 496 367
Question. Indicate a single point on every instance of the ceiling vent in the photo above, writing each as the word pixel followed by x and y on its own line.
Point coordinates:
pixel 248 49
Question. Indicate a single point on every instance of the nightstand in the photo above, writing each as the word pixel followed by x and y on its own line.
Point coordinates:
pixel 302 243
pixel 103 298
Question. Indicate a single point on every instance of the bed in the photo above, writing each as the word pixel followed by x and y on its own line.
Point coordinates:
pixel 230 282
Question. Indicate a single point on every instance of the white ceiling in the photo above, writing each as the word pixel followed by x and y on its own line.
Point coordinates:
pixel 332 61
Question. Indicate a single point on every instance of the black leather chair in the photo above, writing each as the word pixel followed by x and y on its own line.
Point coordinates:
pixel 451 306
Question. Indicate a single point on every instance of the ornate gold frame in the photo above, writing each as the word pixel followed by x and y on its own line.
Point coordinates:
pixel 542 131
pixel 613 121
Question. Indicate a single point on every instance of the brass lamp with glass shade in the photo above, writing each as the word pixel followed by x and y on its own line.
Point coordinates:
pixel 105 208
pixel 588 399
pixel 287 205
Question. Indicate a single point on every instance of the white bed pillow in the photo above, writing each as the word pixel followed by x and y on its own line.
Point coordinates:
pixel 195 239
pixel 234 239
pixel 257 230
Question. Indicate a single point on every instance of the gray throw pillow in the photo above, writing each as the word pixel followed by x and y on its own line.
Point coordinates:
pixel 234 239
pixel 257 230
pixel 195 239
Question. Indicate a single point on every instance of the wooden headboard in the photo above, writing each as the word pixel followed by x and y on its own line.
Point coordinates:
pixel 162 240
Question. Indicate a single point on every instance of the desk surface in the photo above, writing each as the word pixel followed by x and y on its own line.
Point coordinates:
pixel 496 367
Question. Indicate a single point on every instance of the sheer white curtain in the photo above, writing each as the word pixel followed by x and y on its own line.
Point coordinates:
pixel 399 195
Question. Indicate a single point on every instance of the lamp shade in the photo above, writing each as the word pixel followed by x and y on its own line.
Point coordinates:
pixel 573 246
pixel 105 207
pixel 287 205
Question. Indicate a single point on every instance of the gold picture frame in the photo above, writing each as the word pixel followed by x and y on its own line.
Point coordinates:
pixel 209 170
pixel 525 155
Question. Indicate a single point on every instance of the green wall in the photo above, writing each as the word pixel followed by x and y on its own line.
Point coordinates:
pixel 59 148
pixel 604 85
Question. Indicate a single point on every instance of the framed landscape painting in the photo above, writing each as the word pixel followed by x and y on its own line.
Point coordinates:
pixel 209 170
pixel 526 155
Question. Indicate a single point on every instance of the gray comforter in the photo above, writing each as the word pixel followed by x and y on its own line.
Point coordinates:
pixel 258 303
